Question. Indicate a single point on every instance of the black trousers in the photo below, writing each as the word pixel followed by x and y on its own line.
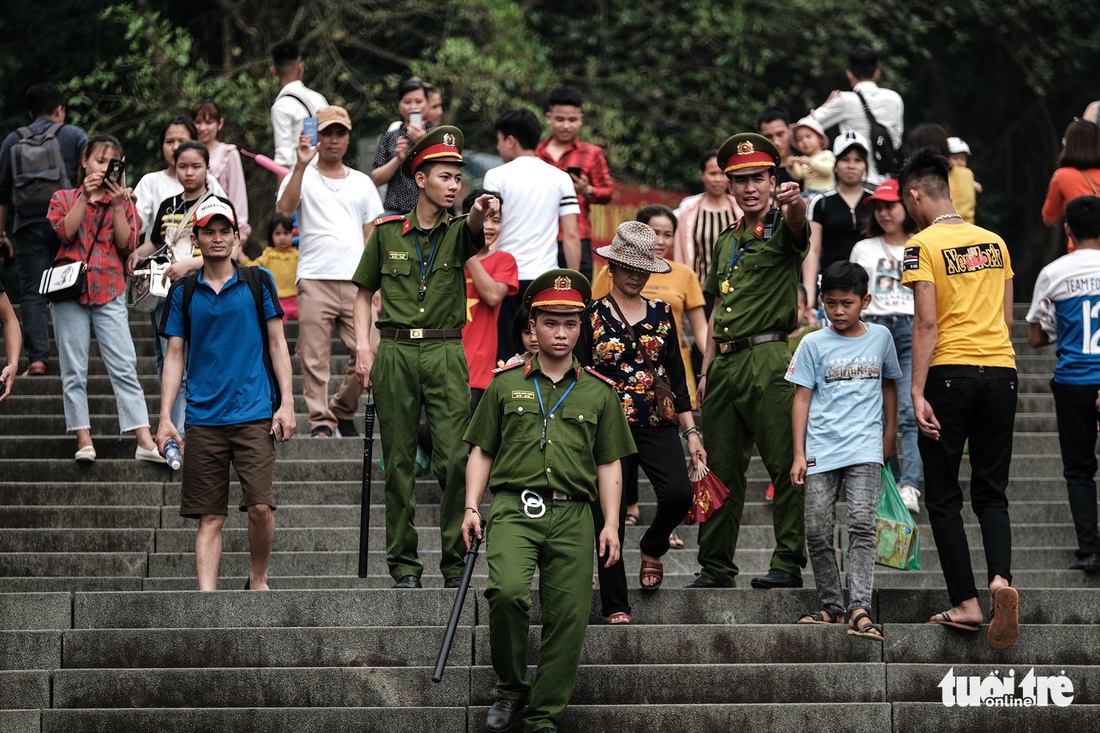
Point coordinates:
pixel 661 456
pixel 979 404
pixel 1075 406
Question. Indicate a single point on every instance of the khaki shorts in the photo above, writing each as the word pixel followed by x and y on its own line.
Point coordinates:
pixel 210 450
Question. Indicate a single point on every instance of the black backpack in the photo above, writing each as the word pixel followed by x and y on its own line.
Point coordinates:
pixel 257 279
pixel 38 170
pixel 882 145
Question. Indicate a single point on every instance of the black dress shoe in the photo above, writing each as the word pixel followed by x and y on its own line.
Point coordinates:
pixel 503 714
pixel 452 582
pixel 1090 563
pixel 777 579
pixel 408 581
pixel 347 429
pixel 702 581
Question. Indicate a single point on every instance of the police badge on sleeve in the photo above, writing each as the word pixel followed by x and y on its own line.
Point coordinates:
pixel 911 260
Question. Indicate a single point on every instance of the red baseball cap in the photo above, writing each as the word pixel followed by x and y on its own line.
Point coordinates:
pixel 886 191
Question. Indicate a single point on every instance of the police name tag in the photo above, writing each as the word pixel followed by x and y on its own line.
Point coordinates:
pixel 520 394
pixel 533 505
pixel 399 255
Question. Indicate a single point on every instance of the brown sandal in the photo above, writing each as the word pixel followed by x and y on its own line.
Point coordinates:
pixel 651 571
pixel 1004 619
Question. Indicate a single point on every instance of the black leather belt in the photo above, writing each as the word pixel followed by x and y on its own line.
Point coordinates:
pixel 418 334
pixel 732 347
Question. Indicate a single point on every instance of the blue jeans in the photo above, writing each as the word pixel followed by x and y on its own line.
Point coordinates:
pixel 72 326
pixel 160 348
pixel 36 246
pixel 906 470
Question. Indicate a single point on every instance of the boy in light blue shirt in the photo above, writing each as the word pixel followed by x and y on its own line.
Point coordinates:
pixel 844 420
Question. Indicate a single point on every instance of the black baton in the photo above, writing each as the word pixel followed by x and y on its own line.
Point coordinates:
pixel 456 610
pixel 368 468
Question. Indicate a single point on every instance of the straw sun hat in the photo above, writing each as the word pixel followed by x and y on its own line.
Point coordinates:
pixel 632 248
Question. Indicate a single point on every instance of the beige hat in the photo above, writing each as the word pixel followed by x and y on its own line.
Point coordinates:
pixel 811 124
pixel 633 247
pixel 329 116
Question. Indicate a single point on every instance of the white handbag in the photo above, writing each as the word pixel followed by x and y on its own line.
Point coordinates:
pixel 64 282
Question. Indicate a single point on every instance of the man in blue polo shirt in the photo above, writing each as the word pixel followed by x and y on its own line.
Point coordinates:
pixel 232 417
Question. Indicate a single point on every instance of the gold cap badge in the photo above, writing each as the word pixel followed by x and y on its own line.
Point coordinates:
pixel 562 283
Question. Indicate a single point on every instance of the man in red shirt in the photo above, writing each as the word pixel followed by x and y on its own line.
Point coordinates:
pixel 584 162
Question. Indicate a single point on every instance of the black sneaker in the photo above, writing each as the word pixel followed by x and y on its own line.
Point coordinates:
pixel 321 431
pixel 347 429
pixel 776 578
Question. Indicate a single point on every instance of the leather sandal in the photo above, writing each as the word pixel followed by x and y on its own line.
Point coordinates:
pixel 823 617
pixel 653 571
pixel 860 624
pixel 619 618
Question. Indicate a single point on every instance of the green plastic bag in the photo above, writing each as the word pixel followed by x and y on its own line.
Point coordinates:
pixel 897 539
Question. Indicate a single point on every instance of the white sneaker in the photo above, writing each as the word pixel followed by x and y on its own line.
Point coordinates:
pixel 909 495
pixel 86 454
pixel 152 456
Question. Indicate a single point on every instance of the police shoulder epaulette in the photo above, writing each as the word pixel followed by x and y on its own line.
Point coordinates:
pixel 599 376
pixel 456 219
pixel 506 367
pixel 388 219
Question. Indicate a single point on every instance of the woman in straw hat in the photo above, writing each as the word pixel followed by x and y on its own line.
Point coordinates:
pixel 634 343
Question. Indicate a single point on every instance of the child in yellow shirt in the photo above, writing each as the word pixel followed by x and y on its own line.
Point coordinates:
pixel 281 258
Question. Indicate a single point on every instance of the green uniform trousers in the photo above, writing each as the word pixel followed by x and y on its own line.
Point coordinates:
pixel 559 544
pixel 747 400
pixel 406 375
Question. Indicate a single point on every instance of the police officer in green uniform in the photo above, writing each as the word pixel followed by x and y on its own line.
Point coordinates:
pixel 547 438
pixel 417 262
pixel 754 280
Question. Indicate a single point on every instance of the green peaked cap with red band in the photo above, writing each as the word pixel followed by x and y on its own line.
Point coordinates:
pixel 441 145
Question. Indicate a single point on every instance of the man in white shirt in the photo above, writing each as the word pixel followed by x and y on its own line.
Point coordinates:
pixel 294 103
pixel 536 200
pixel 845 109
pixel 336 208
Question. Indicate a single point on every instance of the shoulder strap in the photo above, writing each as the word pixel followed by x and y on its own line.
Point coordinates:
pixel 1089 181
pixel 54 128
pixel 189 284
pixel 866 109
pixel 25 132
pixel 600 377
pixel 257 279
pixel 300 101
pixel 388 219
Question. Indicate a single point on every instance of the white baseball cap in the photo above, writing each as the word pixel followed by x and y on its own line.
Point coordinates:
pixel 957 145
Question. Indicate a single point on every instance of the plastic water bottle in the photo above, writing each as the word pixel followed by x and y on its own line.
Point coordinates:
pixel 173 454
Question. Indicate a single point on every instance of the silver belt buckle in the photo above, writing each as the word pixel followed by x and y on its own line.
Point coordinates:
pixel 533 505
pixel 416 333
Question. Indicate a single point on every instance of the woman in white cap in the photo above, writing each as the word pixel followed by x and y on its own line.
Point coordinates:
pixel 634 343
pixel 837 217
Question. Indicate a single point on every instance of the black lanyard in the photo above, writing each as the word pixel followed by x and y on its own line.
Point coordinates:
pixel 433 239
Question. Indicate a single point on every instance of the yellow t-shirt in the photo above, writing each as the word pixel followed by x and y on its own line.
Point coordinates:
pixel 969 267
pixel 680 289
pixel 963 194
pixel 283 264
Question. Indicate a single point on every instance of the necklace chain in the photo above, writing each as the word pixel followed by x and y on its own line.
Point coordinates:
pixel 325 179
pixel 941 217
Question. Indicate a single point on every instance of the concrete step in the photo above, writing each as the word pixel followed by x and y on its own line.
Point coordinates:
pixel 33 564
pixel 88 493
pixel 98 583
pixel 936 717
pixel 121 517
pixel 77 540
pixel 35 611
pixel 30 650
pixel 258 719
pixel 22 689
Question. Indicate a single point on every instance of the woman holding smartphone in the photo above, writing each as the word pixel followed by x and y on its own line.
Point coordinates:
pixel 97 224
pixel 402 193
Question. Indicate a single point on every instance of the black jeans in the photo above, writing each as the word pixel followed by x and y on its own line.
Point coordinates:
pixel 661 455
pixel 1075 406
pixel 979 404
pixel 36 246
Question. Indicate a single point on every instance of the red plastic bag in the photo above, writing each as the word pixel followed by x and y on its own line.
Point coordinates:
pixel 708 493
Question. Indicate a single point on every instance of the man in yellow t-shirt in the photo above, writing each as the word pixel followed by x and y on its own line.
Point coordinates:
pixel 964 387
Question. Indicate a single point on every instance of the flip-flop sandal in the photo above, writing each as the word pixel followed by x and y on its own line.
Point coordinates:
pixel 822 617
pixel 651 571
pixel 948 621
pixel 675 541
pixel 864 628
pixel 631 519
pixel 1004 619
pixel 619 618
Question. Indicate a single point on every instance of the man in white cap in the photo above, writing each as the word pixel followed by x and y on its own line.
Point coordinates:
pixel 239 391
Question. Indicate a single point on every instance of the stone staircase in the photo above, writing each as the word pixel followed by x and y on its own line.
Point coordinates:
pixel 101 630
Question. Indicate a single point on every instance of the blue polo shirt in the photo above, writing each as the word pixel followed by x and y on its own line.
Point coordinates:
pixel 227 383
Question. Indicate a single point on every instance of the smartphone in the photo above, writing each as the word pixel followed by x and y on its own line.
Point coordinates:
pixel 575 171
pixel 416 119
pixel 309 129
pixel 115 169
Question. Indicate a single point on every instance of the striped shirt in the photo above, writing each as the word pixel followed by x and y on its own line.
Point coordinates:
pixel 708 225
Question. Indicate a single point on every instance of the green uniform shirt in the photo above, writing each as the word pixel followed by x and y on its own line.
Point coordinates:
pixel 762 295
pixel 390 263
pixel 588 429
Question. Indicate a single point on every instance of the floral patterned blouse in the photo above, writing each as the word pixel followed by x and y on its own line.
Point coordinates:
pixel 616 356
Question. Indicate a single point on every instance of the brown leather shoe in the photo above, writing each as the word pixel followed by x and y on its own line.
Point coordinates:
pixel 35 369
